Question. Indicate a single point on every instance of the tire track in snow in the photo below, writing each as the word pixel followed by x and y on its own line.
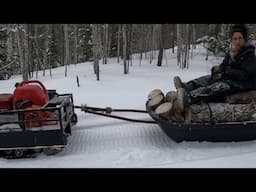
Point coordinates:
pixel 109 137
pixel 125 144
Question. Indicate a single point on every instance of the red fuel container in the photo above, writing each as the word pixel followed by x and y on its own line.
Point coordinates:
pixel 6 101
pixel 31 90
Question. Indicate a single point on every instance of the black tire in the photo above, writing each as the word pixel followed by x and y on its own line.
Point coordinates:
pixel 51 150
pixel 74 118
pixel 18 153
pixel 68 129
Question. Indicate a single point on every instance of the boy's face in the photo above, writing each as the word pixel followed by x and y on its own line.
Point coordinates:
pixel 237 41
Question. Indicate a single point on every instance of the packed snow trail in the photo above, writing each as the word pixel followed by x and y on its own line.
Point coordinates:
pixel 101 142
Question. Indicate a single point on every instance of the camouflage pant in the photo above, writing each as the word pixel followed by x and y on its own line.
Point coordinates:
pixel 205 89
pixel 199 82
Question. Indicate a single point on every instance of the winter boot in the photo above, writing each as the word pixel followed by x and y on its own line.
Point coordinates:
pixel 182 99
pixel 177 115
pixel 177 82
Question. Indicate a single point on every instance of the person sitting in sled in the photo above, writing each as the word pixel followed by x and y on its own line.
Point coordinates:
pixel 236 73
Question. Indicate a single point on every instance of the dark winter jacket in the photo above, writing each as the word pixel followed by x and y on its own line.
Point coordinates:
pixel 241 68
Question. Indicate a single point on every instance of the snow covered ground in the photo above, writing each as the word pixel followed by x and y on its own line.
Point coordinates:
pixel 100 142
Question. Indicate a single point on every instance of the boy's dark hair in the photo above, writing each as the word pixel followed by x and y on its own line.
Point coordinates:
pixel 239 28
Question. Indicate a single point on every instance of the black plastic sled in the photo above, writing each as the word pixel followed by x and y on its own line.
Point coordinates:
pixel 218 132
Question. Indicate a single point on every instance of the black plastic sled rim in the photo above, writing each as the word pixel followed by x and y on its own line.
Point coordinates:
pixel 219 132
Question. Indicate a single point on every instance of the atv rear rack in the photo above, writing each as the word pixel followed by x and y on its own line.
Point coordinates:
pixel 15 132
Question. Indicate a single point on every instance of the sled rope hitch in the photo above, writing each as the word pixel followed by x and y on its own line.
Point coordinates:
pixel 106 112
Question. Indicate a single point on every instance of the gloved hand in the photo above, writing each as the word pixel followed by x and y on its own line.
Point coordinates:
pixel 217 76
pixel 215 69
pixel 227 69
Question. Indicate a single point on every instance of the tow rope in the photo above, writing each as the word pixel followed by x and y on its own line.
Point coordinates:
pixel 106 112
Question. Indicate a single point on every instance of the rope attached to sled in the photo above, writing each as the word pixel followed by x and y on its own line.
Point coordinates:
pixel 108 110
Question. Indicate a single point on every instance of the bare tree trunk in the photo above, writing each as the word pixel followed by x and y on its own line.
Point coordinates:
pixel 155 37
pixel 210 31
pixel 207 55
pixel 165 56
pixel 125 49
pixel 151 56
pixel 183 38
pixel 20 51
pixel 105 43
pixel 118 42
pixel 9 47
pixel 67 56
pixel 140 57
pixel 173 38
pixel 160 57
pixel 109 41
pixel 46 48
pixel 96 51
pixel 194 36
pixel 49 50
pixel 28 51
pixel 217 29
pixel 38 63
pixel 161 46
pixel 141 40
pixel 179 44
pixel 187 47
pixel 193 28
pixel 75 44
pixel 130 42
